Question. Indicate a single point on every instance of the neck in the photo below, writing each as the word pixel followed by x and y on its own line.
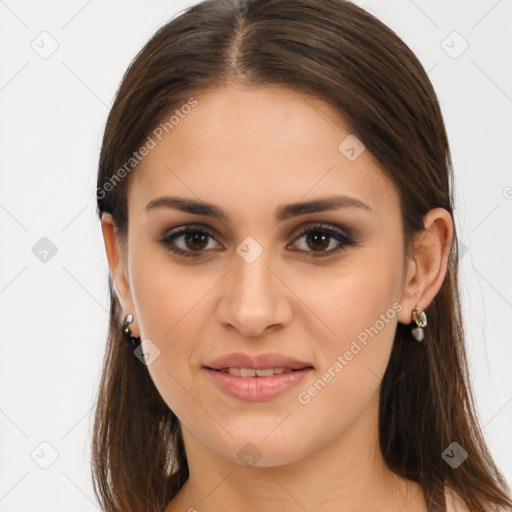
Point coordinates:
pixel 345 475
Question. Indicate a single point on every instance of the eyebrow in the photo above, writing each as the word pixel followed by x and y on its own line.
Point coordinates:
pixel 282 213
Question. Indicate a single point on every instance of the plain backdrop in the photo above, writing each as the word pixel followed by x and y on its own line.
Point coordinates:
pixel 60 65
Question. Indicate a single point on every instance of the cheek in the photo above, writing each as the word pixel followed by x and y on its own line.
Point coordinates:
pixel 359 303
pixel 362 311
pixel 358 295
pixel 171 304
pixel 354 300
pixel 163 292
pixel 171 311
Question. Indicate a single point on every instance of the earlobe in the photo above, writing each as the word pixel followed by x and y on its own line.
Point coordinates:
pixel 115 260
pixel 108 228
pixel 428 262
pixel 118 269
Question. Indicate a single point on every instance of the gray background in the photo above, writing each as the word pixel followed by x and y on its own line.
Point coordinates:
pixel 53 306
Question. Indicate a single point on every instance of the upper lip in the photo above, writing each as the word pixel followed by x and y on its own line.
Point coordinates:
pixel 258 362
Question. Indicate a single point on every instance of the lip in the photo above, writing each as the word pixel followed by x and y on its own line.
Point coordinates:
pixel 258 362
pixel 256 389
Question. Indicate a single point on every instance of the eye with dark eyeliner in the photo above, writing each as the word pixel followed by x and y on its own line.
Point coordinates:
pixel 318 234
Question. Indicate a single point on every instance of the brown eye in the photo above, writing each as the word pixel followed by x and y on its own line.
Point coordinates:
pixel 317 241
pixel 194 241
pixel 319 238
pixel 320 241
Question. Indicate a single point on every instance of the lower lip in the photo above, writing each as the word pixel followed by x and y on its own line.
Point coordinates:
pixel 256 389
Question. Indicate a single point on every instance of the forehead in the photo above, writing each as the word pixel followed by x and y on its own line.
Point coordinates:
pixel 250 147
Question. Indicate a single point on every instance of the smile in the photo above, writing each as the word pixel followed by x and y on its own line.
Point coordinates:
pixel 253 372
pixel 253 385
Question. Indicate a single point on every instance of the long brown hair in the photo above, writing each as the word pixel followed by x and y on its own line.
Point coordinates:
pixel 340 53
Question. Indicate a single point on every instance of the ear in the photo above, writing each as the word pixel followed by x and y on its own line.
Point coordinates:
pixel 427 263
pixel 118 268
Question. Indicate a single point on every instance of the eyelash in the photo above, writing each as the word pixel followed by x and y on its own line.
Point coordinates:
pixel 343 240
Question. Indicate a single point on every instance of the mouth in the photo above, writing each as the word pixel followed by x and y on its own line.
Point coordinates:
pixel 261 363
pixel 257 372
pixel 256 384
pixel 256 377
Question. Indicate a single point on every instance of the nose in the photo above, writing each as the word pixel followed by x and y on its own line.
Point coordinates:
pixel 255 298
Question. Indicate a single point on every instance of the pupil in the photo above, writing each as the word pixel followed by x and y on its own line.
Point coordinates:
pixel 316 241
pixel 319 238
pixel 195 238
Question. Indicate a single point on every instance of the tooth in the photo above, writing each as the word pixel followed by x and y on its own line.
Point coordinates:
pixel 265 373
pixel 247 372
pixel 234 371
pixel 278 371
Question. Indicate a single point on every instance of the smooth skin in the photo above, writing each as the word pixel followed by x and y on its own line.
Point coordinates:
pixel 250 151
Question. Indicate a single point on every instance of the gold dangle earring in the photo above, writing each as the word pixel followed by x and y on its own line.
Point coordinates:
pixel 131 341
pixel 419 316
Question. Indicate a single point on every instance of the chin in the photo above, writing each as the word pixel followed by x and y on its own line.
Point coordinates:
pixel 261 451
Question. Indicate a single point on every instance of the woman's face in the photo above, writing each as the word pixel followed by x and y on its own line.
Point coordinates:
pixel 266 278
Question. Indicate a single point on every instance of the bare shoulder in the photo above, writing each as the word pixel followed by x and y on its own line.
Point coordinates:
pixel 454 503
